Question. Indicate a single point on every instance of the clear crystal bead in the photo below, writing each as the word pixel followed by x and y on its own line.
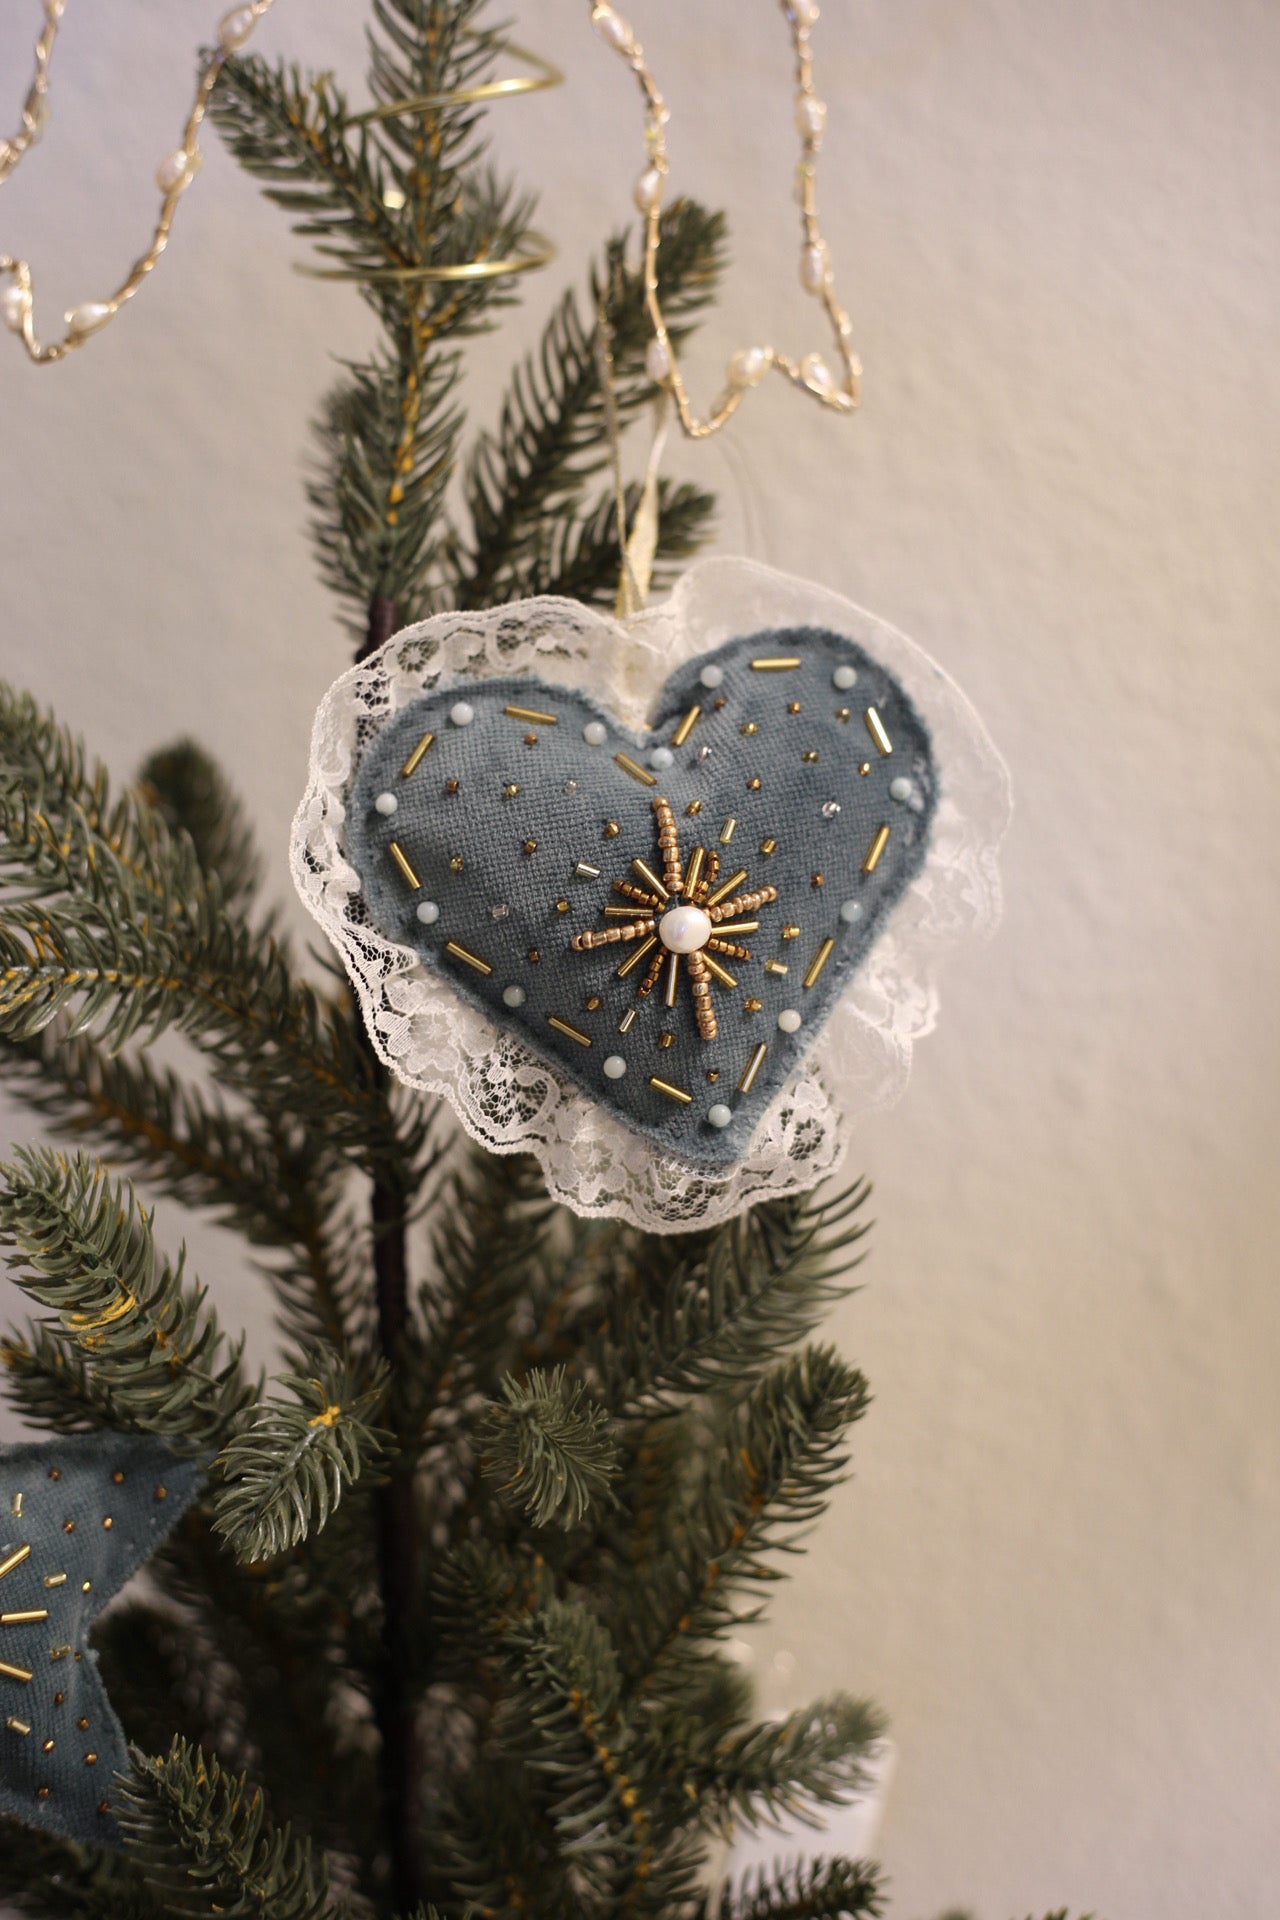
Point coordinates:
pixel 704 753
pixel 501 911
pixel 830 808
pixel 571 786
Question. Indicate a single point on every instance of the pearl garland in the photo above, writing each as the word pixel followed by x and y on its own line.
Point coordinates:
pixel 173 176
pixel 748 366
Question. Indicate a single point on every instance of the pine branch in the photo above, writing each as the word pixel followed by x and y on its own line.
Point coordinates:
pixel 580 557
pixel 737 1296
pixel 816 1755
pixel 771 1470
pixel 286 1470
pixel 204 1841
pixel 549 1447
pixel 551 438
pixel 108 920
pixel 83 1247
pixel 56 1879
pixel 814 1890
pixel 192 796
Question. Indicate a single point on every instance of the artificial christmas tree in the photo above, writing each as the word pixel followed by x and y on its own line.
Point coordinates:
pixel 445 1629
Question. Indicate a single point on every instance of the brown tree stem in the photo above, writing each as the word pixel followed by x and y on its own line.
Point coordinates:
pixel 397 1516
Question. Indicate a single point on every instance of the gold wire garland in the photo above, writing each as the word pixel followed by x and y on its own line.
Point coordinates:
pixel 748 366
pixel 175 174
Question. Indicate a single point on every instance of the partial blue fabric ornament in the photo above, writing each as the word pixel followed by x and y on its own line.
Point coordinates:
pixel 78 1517
pixel 656 901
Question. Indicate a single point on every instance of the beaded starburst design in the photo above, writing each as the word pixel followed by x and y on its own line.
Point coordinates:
pixel 688 915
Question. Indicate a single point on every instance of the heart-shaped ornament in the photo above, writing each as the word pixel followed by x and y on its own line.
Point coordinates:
pixel 667 915
pixel 635 933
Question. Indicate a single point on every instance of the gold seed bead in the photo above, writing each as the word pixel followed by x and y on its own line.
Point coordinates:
pixel 611 829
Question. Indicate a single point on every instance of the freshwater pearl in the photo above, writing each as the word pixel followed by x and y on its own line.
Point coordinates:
pixel 614 1066
pixel 816 374
pixel 647 191
pixel 14 302
pixel 514 996
pixel 461 714
pixel 612 28
pixel 657 362
pixel 844 678
pixel 900 789
pixel 850 911
pixel 176 170
pixel 711 676
pixel 813 269
pixel 719 1115
pixel 594 733
pixel 788 1020
pixel 235 27
pixel 88 318
pixel 428 913
pixel 661 758
pixel 811 117
pixel 386 803
pixel 684 929
pixel 748 366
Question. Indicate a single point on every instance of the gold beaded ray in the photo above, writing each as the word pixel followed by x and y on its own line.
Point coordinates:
pixel 748 366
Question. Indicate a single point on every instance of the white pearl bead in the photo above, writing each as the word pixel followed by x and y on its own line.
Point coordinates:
pixel 614 1066
pixel 661 758
pixel 657 362
pixel 816 374
pixel 428 913
pixel 850 911
pixel 684 929
pixel 386 803
pixel 461 714
pixel 14 302
pixel 900 789
pixel 748 366
pixel 177 170
pixel 804 13
pixel 813 269
pixel 788 1020
pixel 711 676
pixel 594 733
pixel 647 192
pixel 514 996
pixel 811 117
pixel 844 678
pixel 88 318
pixel 719 1115
pixel 612 28
pixel 235 27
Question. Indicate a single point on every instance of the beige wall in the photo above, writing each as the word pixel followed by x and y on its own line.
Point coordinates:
pixel 1059 1564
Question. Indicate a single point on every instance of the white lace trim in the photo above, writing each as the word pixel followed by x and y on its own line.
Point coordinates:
pixel 508 1099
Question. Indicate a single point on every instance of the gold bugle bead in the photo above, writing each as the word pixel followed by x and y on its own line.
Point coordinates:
pixel 716 971
pixel 877 847
pixel 875 727
pixel 753 1067
pixel 633 959
pixel 818 962
pixel 725 888
pixel 686 727
pixel 677 1094
pixel 739 926
pixel 650 879
pixel 531 714
pixel 570 1032
pixel 671 985
pixel 641 774
pixel 12 1560
pixel 402 861
pixel 411 764
pixel 468 959
pixel 693 872
pixel 778 665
